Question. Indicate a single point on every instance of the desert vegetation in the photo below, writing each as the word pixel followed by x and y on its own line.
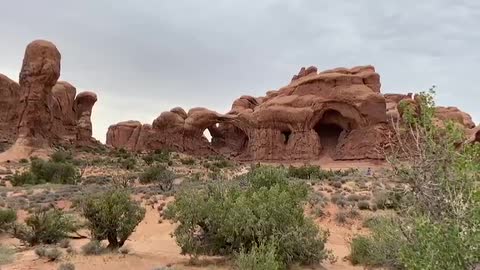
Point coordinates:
pixel 420 213
pixel 437 222
pixel 258 218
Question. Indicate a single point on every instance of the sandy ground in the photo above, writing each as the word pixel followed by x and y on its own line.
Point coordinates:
pixel 152 246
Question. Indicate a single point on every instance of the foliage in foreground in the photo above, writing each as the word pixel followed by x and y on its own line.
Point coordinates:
pixel 251 217
pixel 381 248
pixel 113 216
pixel 440 222
pixel 46 227
pixel 262 257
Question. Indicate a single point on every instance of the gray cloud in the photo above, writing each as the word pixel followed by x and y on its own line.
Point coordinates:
pixel 143 57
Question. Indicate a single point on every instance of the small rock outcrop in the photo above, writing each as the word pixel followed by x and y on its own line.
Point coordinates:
pixel 10 94
pixel 40 110
pixel 83 106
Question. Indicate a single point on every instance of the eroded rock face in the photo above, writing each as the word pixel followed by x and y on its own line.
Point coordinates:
pixel 40 71
pixel 10 93
pixel 338 113
pixel 456 115
pixel 83 105
pixel 316 114
pixel 40 110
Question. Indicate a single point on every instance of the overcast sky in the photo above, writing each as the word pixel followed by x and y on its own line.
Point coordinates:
pixel 143 57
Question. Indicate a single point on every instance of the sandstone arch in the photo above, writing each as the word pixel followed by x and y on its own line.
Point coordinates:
pixel 340 111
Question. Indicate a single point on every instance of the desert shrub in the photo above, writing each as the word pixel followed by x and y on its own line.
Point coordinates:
pixel 354 197
pixel 6 254
pixel 262 257
pixel 66 266
pixel 93 248
pixel 341 217
pixel 304 172
pixel 160 175
pixel 61 156
pixel 7 219
pixel 225 218
pixel 188 161
pixel 65 243
pixel 159 156
pixel 148 159
pixel 336 184
pixel 335 198
pixel 363 205
pixel 315 172
pixel 381 248
pixel 23 160
pixel 52 254
pixel 112 215
pixel 46 172
pixel 316 199
pixel 218 162
pixel 388 199
pixel 266 176
pixel 121 153
pixel 46 227
pixel 439 219
pixel 128 163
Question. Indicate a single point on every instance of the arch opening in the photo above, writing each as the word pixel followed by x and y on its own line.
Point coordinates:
pixel 208 135
pixel 329 129
pixel 227 138
pixel 286 136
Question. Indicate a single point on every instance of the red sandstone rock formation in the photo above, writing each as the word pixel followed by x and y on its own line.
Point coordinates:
pixel 39 111
pixel 338 113
pixel 83 105
pixel 456 115
pixel 10 94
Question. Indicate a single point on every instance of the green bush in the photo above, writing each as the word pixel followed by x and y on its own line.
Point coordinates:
pixel 160 175
pixel 304 172
pixel 188 161
pixel 61 156
pixel 441 246
pixel 7 219
pixel 381 248
pixel 162 156
pixel 128 163
pixel 46 227
pixel 438 217
pixel 259 257
pixel 112 215
pixel 388 199
pixel 315 172
pixel 23 161
pixel 46 172
pixel 224 218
